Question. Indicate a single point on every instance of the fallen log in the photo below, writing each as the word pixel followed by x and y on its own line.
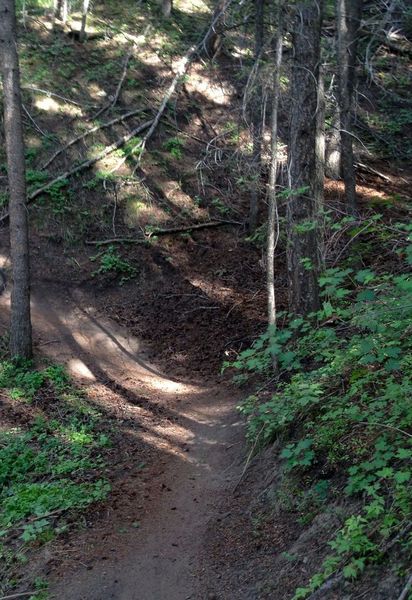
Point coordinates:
pixel 156 232
pixel 84 165
pixel 132 113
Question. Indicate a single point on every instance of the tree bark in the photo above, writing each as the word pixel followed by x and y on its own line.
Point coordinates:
pixel 301 212
pixel 319 176
pixel 213 40
pixel 273 218
pixel 61 10
pixel 333 148
pixel 82 33
pixel 257 116
pixel 20 324
pixel 167 6
pixel 348 15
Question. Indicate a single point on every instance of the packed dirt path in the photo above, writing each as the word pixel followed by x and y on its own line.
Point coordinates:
pixel 195 438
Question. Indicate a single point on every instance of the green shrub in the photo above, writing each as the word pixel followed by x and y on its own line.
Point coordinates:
pixel 343 404
pixel 112 262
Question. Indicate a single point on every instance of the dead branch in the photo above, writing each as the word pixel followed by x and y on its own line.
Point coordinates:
pixel 116 241
pixel 118 89
pixel 397 47
pixel 84 165
pixel 182 69
pixel 155 232
pixel 31 119
pixel 369 169
pixel 51 94
pixel 327 585
pixel 20 595
pixel 132 113
pixel 406 589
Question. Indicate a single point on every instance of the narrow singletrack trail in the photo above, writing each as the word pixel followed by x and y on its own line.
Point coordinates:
pixel 195 437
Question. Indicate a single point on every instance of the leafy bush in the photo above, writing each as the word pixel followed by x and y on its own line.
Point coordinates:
pixel 112 262
pixel 175 146
pixel 49 466
pixel 343 405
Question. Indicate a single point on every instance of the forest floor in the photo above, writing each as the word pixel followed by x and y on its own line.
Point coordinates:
pixel 146 339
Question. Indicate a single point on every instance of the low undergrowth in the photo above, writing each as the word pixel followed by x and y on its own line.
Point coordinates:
pixel 342 412
pixel 49 465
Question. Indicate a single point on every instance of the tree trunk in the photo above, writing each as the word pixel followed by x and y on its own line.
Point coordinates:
pixel 213 40
pixel 320 143
pixel 257 115
pixel 333 151
pixel 348 14
pixel 20 326
pixel 302 248
pixel 273 218
pixel 319 176
pixel 167 6
pixel 61 10
pixel 82 33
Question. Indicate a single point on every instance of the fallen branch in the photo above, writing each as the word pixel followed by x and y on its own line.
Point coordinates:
pixel 406 589
pixel 182 69
pixel 117 93
pixel 20 595
pixel 168 231
pixel 369 169
pixel 116 241
pixel 132 113
pixel 184 65
pixel 51 95
pixel 84 165
pixel 396 46
pixel 327 585
pixel 35 125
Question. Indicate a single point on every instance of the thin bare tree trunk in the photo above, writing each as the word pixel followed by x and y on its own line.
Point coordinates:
pixel 257 115
pixel 82 33
pixel 333 148
pixel 167 6
pixel 273 220
pixel 348 14
pixel 61 10
pixel 20 324
pixel 319 175
pixel 301 214
pixel 213 40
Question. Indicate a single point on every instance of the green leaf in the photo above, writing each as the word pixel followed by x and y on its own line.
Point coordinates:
pixel 402 476
pixel 365 276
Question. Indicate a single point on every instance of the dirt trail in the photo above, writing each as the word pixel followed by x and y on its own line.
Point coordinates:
pixel 196 440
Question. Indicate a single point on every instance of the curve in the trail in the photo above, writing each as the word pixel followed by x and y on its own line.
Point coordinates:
pixel 160 560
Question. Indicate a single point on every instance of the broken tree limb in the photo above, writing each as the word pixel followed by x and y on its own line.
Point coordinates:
pixel 132 113
pixel 118 89
pixel 123 75
pixel 406 589
pixel 84 165
pixel 51 94
pixel 155 232
pixel 181 71
pixel 369 169
pixel 187 60
pixel 18 595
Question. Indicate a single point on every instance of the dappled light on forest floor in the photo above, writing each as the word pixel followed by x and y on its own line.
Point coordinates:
pixel 78 370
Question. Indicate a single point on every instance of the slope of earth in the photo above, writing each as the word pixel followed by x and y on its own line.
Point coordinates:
pixel 146 326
